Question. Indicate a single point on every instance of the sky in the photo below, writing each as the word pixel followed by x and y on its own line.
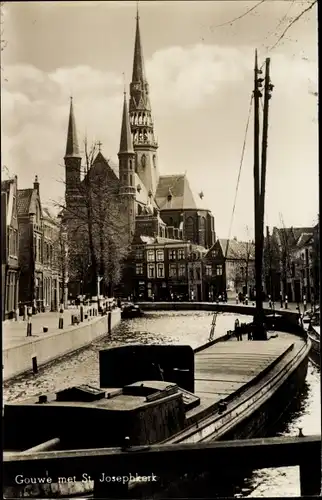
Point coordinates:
pixel 199 67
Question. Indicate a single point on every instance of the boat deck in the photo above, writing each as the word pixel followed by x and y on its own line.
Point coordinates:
pixel 225 367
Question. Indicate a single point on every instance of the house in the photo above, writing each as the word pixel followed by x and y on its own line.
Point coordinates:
pixel 166 269
pixel 230 268
pixel 10 248
pixel 40 277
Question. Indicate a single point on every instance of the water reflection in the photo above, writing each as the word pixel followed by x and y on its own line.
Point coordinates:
pixel 180 327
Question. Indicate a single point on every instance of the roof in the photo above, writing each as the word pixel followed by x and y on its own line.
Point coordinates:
pixel 24 201
pixel 182 196
pixel 5 185
pixel 72 149
pixel 237 249
pixel 295 235
pixel 126 145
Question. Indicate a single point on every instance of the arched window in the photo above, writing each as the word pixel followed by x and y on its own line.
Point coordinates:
pixel 143 161
pixel 154 161
pixel 190 229
pixel 202 231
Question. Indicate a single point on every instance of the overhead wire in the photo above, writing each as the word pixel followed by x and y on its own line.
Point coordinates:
pixel 239 173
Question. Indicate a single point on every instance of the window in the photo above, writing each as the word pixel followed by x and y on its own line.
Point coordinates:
pixel 181 253
pixel 14 207
pixel 182 270
pixel 150 255
pixel 219 270
pixel 198 273
pixel 160 270
pixel 151 271
pixel 172 270
pixel 190 229
pixel 208 271
pixel 172 254
pixel 139 254
pixel 191 274
pixel 139 269
pixel 160 255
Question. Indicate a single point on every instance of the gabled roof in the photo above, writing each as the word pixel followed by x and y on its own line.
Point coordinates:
pixel 24 201
pixel 102 166
pixel 234 249
pixel 182 197
pixel 292 235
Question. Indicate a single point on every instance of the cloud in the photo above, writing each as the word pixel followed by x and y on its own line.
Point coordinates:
pixel 207 84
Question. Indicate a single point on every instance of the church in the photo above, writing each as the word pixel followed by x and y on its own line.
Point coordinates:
pixel 156 206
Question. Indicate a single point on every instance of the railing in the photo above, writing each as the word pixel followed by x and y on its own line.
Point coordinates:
pixel 179 459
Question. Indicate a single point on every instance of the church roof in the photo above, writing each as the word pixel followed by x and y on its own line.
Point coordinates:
pixel 182 196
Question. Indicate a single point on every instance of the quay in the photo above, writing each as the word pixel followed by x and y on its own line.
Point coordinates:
pixel 22 354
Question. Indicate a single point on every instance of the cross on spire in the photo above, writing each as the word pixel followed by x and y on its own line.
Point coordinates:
pixel 99 146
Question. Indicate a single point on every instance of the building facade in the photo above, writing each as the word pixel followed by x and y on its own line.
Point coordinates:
pixel 154 205
pixel 10 245
pixel 230 269
pixel 40 275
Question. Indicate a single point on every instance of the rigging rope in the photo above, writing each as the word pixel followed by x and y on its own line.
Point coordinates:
pixel 238 178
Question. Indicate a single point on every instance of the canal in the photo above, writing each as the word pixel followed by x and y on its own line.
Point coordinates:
pixel 180 327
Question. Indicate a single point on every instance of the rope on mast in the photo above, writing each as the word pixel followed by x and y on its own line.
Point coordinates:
pixel 238 178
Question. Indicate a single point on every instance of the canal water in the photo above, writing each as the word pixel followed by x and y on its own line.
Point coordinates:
pixel 180 327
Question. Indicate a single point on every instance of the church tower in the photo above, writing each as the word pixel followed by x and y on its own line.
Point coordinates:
pixel 72 159
pixel 144 142
pixel 127 170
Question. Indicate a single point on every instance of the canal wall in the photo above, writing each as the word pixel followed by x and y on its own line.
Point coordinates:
pixel 21 358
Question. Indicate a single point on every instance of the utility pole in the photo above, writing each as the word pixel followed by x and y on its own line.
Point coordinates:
pixel 259 333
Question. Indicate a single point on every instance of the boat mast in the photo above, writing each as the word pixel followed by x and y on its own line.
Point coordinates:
pixel 259 192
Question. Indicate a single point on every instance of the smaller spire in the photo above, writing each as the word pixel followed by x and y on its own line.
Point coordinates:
pixel 126 145
pixel 72 149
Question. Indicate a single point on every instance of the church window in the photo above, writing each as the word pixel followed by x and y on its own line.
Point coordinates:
pixel 198 273
pixel 130 164
pixel 190 229
pixel 202 227
pixel 131 179
pixel 154 161
pixel 143 161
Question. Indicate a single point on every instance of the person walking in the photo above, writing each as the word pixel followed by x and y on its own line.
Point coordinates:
pixel 304 302
pixel 270 302
pixel 286 302
pixel 281 299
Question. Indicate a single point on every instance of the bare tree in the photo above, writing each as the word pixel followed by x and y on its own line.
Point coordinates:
pixel 98 232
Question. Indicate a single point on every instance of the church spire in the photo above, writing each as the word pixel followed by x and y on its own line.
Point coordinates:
pixel 72 149
pixel 138 74
pixel 126 145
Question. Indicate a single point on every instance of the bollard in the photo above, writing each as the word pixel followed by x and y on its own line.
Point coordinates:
pixel 109 322
pixel 61 319
pixel 25 313
pixel 29 324
pixel 81 312
pixel 34 364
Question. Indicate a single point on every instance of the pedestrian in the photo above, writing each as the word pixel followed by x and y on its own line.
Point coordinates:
pixel 281 299
pixel 246 299
pixel 286 302
pixel 304 302
pixel 269 302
